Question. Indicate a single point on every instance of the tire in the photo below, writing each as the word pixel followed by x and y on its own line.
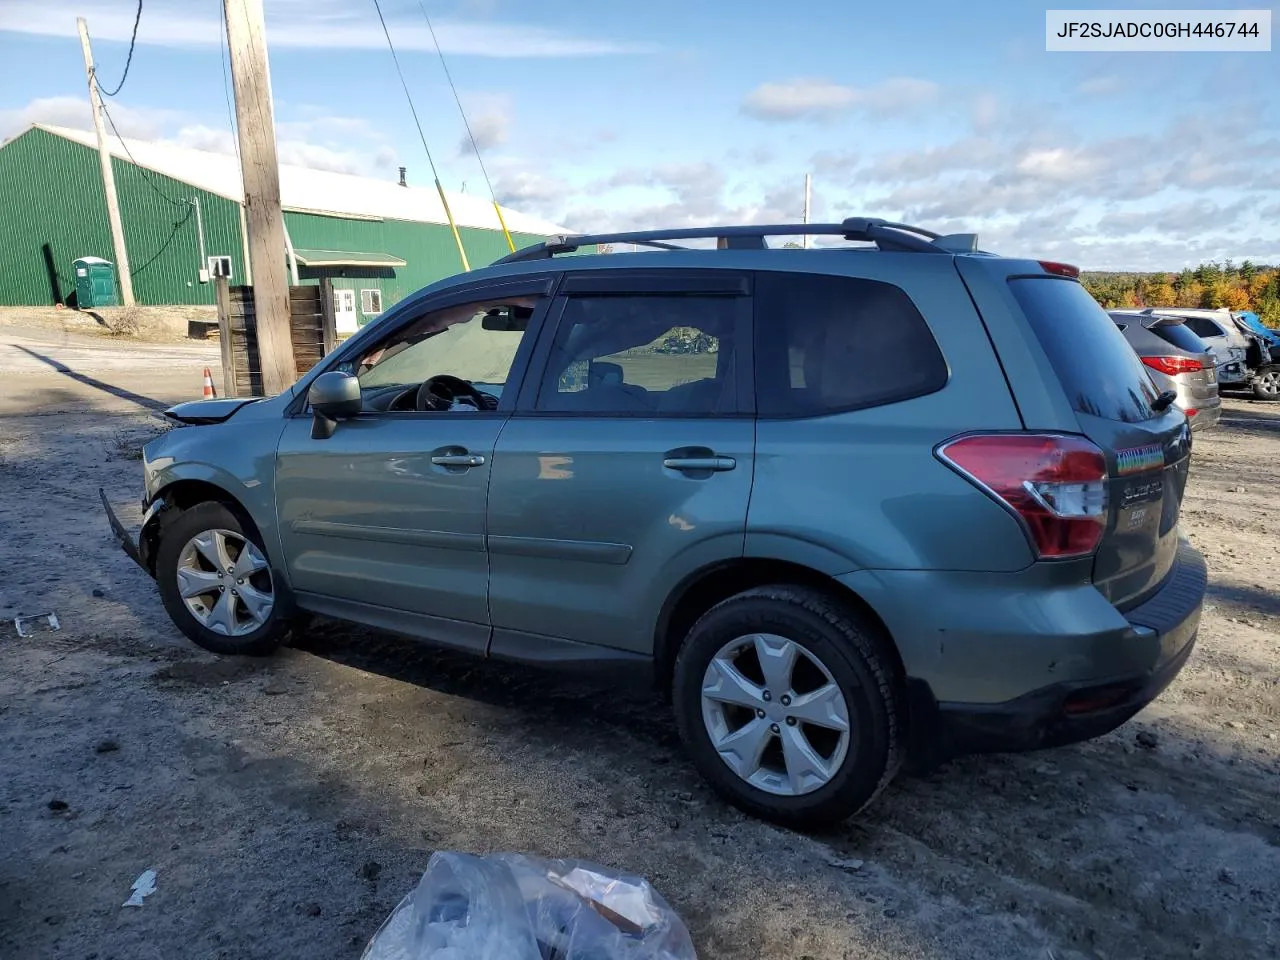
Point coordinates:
pixel 229 626
pixel 851 654
pixel 1266 383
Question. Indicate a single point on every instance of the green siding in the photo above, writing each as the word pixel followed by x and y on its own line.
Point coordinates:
pixel 428 249
pixel 51 196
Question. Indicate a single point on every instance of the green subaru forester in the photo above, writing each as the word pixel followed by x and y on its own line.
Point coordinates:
pixel 892 499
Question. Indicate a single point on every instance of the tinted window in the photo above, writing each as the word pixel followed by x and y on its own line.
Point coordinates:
pixel 1095 365
pixel 1204 327
pixel 825 344
pixel 643 355
pixel 1180 336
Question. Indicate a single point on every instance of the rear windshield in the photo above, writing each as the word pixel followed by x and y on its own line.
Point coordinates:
pixel 1180 336
pixel 1095 364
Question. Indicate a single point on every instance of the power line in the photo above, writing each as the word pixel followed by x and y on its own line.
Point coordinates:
pixel 141 169
pixel 430 161
pixel 226 84
pixel 467 123
pixel 132 40
pixel 412 109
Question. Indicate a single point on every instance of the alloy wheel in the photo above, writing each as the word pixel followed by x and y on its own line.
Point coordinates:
pixel 1270 383
pixel 225 582
pixel 775 714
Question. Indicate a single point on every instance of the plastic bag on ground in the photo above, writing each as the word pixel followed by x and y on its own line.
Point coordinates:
pixel 513 907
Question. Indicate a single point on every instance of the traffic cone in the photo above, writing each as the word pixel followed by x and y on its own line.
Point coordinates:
pixel 209 391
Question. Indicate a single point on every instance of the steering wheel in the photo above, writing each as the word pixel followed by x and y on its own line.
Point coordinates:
pixel 443 390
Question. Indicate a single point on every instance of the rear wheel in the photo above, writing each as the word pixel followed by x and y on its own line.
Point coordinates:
pixel 216 584
pixel 1266 383
pixel 786 701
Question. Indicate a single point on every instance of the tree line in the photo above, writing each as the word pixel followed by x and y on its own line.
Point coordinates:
pixel 1243 286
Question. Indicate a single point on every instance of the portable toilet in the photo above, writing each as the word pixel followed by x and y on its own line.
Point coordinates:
pixel 95 282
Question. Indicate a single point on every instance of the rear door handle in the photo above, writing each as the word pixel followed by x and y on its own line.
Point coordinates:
pixel 692 464
pixel 458 460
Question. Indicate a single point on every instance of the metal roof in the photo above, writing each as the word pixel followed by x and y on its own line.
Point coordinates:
pixel 346 258
pixel 303 189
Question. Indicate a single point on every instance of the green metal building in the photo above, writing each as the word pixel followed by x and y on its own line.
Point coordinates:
pixel 183 225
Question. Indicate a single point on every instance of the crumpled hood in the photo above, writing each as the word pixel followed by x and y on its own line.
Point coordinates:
pixel 208 411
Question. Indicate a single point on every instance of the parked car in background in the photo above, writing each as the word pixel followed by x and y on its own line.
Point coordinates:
pixel 1250 367
pixel 920 501
pixel 1178 360
pixel 1250 323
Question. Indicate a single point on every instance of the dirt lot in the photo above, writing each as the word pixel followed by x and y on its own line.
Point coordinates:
pixel 287 804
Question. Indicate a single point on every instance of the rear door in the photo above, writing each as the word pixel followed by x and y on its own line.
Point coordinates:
pixel 628 461
pixel 1147 451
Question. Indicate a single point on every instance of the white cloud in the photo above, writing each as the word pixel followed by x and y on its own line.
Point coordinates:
pixel 1099 86
pixel 489 131
pixel 984 113
pixel 66 111
pixel 1060 164
pixel 812 98
pixel 307 24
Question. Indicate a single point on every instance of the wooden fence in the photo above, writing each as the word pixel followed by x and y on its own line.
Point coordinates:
pixel 311 327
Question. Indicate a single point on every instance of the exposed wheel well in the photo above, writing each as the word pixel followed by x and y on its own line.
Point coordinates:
pixel 704 589
pixel 181 496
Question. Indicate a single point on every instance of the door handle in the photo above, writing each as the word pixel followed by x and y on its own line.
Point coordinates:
pixel 458 460
pixel 693 464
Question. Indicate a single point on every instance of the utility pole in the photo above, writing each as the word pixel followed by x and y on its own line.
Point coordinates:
pixel 260 171
pixel 808 183
pixel 108 174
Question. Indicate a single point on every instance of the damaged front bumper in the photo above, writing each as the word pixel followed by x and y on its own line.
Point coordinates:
pixel 137 550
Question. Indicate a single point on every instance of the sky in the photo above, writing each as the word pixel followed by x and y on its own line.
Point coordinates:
pixel 605 116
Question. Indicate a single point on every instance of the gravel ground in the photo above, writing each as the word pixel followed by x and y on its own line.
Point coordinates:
pixel 287 804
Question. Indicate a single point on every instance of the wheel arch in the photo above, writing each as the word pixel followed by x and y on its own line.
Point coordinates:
pixel 705 587
pixel 180 495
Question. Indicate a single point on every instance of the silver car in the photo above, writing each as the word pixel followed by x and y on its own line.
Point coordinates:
pixel 1178 360
pixel 1218 330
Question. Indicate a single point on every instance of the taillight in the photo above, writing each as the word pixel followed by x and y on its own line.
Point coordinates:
pixel 1060 269
pixel 1190 412
pixel 1173 365
pixel 1056 485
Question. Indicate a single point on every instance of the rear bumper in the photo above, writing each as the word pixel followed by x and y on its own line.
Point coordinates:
pixel 1208 415
pixel 1069 712
pixel 1052 716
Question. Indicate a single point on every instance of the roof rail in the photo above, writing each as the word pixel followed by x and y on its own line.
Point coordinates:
pixel 885 234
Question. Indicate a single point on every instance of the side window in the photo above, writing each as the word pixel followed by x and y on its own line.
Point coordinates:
pixel 826 344
pixel 656 355
pixel 466 352
pixel 371 302
pixel 1203 327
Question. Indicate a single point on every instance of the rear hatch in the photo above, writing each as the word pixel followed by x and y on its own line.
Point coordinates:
pixel 1202 383
pixel 1147 451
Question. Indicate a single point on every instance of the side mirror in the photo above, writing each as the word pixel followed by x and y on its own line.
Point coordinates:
pixel 333 396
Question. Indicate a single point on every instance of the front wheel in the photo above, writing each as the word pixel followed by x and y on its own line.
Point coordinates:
pixel 1266 383
pixel 786 701
pixel 216 584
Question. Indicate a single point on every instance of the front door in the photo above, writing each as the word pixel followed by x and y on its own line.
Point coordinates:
pixel 628 462
pixel 384 521
pixel 344 311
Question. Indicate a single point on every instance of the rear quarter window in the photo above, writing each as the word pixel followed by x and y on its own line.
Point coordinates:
pixel 827 344
pixel 1097 368
pixel 1204 327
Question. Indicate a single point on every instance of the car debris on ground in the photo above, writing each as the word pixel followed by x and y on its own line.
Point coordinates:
pixel 514 907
